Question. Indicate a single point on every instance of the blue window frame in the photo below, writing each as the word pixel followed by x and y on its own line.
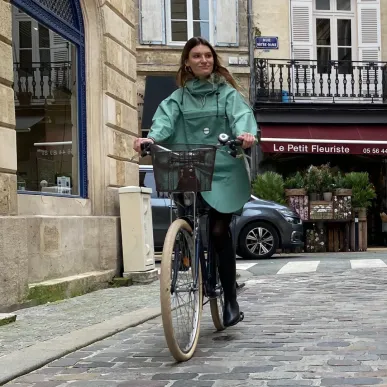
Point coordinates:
pixel 65 18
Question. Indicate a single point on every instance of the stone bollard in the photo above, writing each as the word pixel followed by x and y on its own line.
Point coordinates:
pixel 137 234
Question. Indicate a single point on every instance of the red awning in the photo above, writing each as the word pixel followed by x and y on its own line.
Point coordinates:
pixel 324 139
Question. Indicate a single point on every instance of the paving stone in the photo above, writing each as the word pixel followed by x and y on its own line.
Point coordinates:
pixel 93 383
pixel 233 376
pixel 143 383
pixel 193 383
pixel 252 370
pixel 93 364
pixel 350 381
pixel 179 376
pixel 65 362
pixel 286 358
pixel 283 383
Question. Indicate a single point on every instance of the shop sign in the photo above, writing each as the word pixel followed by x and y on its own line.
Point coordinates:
pixel 323 148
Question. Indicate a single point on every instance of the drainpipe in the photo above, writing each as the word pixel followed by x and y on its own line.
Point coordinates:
pixel 250 34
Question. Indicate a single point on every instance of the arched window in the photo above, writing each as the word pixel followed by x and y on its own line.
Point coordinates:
pixel 50 100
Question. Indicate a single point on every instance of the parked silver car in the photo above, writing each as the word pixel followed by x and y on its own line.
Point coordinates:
pixel 262 228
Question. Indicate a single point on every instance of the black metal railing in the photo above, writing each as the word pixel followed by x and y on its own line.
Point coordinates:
pixel 41 81
pixel 289 80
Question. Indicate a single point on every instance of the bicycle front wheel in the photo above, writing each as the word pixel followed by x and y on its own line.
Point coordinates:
pixel 181 292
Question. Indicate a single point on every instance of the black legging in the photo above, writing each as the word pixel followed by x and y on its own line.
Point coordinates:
pixel 219 227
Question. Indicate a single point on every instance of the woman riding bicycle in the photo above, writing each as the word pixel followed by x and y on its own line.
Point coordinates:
pixel 207 104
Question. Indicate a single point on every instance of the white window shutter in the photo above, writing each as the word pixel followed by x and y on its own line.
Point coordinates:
pixel 369 30
pixel 226 22
pixel 302 48
pixel 152 21
pixel 60 48
pixel 302 29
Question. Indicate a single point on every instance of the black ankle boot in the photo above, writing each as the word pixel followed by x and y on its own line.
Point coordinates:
pixel 227 274
pixel 231 313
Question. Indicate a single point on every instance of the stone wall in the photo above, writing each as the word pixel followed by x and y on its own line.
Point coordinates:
pixel 48 237
pixel 273 19
pixel 383 15
pixel 8 161
pixel 120 118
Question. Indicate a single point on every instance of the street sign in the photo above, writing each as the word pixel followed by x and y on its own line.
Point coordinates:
pixel 266 42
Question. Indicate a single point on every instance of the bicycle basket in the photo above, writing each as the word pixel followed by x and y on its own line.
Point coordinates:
pixel 183 168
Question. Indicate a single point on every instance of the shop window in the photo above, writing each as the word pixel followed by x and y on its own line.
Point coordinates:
pixel 49 95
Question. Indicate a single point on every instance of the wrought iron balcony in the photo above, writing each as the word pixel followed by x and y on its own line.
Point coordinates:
pixel 290 81
pixel 38 82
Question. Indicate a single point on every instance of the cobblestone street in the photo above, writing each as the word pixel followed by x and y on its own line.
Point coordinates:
pixel 315 329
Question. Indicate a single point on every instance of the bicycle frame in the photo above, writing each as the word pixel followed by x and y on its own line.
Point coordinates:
pixel 208 266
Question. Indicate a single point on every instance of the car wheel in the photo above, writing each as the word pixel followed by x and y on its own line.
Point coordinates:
pixel 258 240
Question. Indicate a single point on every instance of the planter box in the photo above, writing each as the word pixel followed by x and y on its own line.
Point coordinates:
pixel 342 207
pixel 342 192
pixel 315 241
pixel 320 210
pixel 299 204
pixel 295 192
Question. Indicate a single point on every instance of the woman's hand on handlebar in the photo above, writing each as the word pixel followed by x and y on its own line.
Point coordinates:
pixel 138 141
pixel 248 140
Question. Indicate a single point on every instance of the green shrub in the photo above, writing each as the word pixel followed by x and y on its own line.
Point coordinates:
pixel 313 179
pixel 362 190
pixel 269 186
pixel 294 182
pixel 326 178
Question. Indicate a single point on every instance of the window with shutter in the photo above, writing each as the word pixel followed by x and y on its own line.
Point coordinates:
pixel 188 18
pixel 152 26
pixel 226 22
pixel 369 30
pixel 302 43
pixel 369 37
pixel 173 22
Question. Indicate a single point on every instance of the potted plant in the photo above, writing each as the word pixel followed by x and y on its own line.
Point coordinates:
pixel 363 192
pixel 326 182
pixel 295 185
pixel 313 182
pixel 24 97
pixel 62 92
pixel 269 186
pixel 341 185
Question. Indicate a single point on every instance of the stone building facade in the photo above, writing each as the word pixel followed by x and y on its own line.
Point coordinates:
pixel 161 39
pixel 47 231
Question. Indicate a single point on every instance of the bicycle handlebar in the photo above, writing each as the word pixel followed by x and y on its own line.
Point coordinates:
pixel 224 140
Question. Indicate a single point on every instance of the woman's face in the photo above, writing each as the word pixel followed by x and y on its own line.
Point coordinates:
pixel 201 61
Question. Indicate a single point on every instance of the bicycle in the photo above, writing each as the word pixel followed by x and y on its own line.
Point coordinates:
pixel 187 170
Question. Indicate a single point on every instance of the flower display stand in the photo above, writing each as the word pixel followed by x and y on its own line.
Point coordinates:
pixel 327 222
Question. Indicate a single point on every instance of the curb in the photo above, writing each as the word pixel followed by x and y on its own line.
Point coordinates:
pixel 29 359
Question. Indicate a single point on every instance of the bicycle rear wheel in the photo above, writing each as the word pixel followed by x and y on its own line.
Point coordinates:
pixel 181 292
pixel 217 305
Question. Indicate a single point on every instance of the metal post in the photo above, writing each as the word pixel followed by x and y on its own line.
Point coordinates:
pixel 252 94
pixel 356 231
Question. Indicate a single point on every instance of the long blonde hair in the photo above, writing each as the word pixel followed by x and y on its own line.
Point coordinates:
pixel 183 75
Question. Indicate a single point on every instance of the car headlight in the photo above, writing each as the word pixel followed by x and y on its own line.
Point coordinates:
pixel 290 216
